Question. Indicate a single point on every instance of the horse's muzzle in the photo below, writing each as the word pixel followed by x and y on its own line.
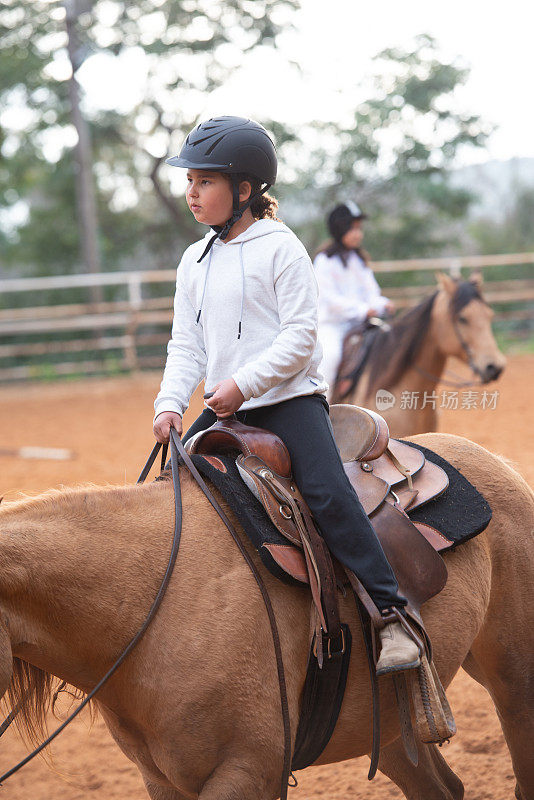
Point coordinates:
pixel 490 373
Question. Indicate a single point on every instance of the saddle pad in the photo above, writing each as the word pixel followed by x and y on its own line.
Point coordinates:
pixel 461 512
pixel 248 510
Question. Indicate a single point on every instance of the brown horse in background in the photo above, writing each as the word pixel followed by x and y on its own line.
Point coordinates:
pixel 408 360
pixel 196 705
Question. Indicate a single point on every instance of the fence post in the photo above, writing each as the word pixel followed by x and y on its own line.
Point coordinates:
pixel 135 298
pixel 455 268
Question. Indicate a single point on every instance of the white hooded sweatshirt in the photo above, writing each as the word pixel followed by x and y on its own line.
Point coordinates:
pixel 346 292
pixel 248 311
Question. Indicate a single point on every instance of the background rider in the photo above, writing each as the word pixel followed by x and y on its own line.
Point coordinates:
pixel 348 291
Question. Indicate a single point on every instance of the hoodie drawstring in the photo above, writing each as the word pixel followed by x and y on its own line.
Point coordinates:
pixel 208 247
pixel 205 284
pixel 242 289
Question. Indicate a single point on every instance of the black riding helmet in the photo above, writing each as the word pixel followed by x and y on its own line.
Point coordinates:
pixel 236 146
pixel 342 217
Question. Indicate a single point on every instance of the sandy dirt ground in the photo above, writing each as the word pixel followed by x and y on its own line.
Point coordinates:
pixel 108 426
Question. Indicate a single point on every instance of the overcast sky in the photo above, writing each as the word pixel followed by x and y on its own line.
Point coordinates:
pixel 334 45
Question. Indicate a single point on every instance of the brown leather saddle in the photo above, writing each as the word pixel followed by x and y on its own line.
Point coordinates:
pixel 389 477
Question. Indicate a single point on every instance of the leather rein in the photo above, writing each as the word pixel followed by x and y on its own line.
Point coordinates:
pixel 178 452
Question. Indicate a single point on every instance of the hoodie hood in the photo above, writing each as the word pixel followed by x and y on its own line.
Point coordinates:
pixel 261 227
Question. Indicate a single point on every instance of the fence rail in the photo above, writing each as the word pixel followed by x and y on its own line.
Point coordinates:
pixel 130 333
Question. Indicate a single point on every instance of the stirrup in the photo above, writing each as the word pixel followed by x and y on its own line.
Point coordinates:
pixel 395 668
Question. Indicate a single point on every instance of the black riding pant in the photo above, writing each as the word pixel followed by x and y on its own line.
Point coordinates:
pixel 304 426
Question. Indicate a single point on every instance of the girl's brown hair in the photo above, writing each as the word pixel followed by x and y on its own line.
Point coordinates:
pixel 265 205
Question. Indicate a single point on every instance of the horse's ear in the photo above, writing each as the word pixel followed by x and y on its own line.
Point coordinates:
pixel 476 279
pixel 447 283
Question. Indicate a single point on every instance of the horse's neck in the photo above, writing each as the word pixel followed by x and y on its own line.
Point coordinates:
pixel 73 577
pixel 422 375
pixel 425 372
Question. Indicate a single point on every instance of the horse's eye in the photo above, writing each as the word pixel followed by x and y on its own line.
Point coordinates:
pixel 463 320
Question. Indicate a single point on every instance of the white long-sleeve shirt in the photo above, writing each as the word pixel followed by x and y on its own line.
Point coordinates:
pixel 248 311
pixel 346 293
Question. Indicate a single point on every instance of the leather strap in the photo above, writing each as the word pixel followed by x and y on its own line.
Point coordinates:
pixel 402 469
pixel 322 697
pixel 363 595
pixel 152 457
pixel 318 559
pixel 367 630
pixel 326 569
pixel 10 717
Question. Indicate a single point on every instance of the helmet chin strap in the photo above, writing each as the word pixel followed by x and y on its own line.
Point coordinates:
pixel 222 231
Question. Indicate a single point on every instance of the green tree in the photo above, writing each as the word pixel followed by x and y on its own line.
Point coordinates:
pixel 395 156
pixel 514 232
pixel 189 47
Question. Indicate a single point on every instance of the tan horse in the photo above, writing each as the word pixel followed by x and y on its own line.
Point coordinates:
pixel 196 705
pixel 409 360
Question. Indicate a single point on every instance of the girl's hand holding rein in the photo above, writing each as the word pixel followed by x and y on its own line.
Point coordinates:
pixel 226 398
pixel 163 424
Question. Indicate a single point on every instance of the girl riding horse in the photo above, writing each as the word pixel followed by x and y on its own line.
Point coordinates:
pixel 245 321
pixel 348 292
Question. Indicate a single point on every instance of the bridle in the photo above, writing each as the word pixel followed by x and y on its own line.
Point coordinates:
pixel 470 360
pixel 178 454
pixel 465 347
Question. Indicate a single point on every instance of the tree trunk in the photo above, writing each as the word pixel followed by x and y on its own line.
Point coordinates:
pixel 85 195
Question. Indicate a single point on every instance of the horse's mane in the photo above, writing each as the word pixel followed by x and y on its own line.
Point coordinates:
pixel 32 693
pixel 76 496
pixel 392 351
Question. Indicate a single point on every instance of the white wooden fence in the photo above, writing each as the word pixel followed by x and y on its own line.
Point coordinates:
pixel 59 338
